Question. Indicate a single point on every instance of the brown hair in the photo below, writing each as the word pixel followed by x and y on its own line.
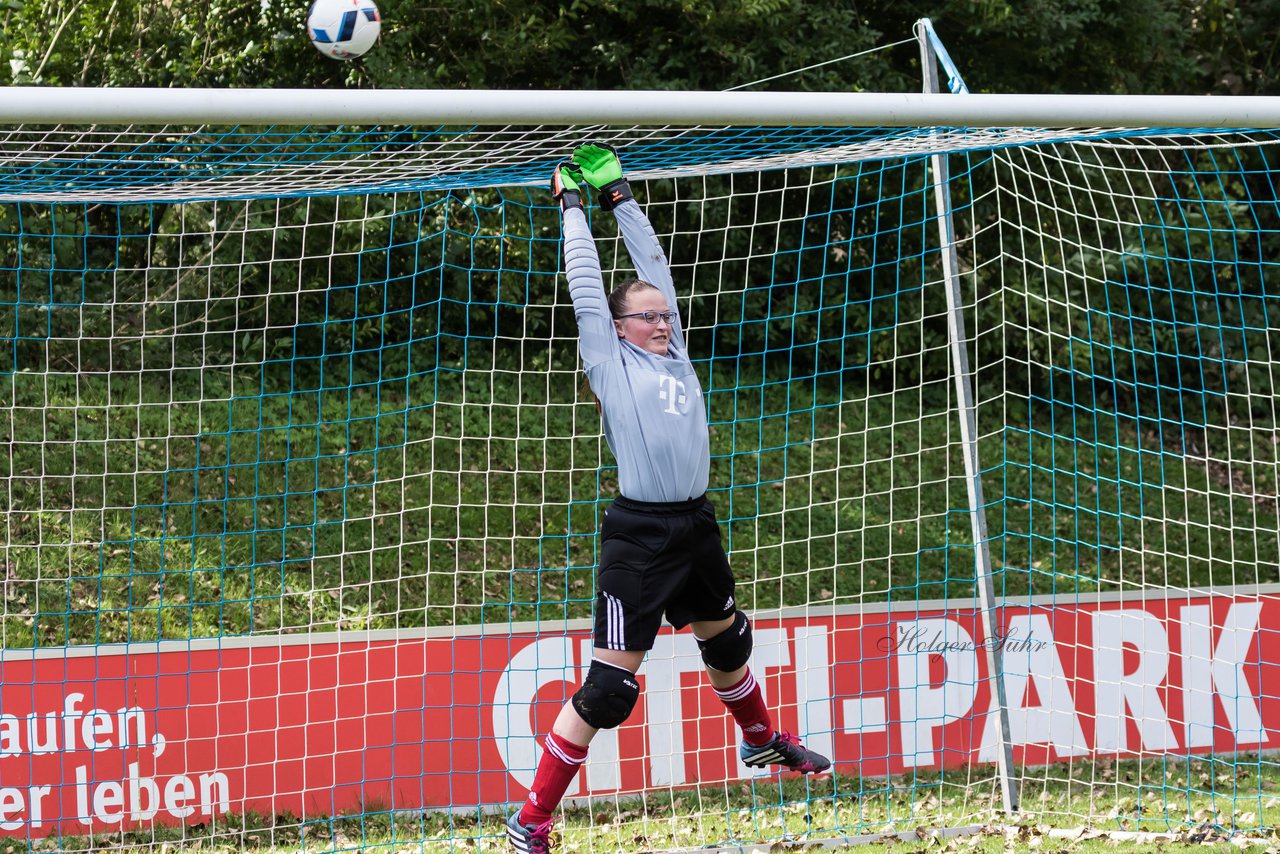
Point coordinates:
pixel 618 296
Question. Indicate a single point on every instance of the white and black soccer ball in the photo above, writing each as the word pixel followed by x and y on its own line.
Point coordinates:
pixel 343 29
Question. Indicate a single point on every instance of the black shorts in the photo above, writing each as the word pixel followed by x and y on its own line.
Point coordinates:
pixel 656 559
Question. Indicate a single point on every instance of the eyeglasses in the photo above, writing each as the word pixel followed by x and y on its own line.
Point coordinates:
pixel 652 317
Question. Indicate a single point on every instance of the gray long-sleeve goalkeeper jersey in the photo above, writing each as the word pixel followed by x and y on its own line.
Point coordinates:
pixel 654 418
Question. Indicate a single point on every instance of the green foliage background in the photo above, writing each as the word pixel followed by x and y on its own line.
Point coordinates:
pixel 251 527
pixel 1085 46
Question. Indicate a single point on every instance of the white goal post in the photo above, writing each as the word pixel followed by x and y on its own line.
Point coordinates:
pixel 70 105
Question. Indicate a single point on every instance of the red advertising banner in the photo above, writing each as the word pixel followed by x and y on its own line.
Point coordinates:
pixel 101 739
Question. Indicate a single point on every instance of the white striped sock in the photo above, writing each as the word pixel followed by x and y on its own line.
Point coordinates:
pixel 558 752
pixel 737 692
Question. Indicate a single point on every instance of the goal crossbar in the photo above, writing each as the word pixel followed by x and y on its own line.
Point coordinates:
pixel 347 106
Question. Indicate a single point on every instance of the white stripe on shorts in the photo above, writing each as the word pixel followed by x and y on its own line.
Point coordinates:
pixel 614 631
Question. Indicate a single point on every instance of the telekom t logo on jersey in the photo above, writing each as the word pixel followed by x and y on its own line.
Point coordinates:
pixel 672 391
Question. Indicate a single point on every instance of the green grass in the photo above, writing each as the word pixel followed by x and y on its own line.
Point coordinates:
pixel 235 505
pixel 1195 800
pixel 224 507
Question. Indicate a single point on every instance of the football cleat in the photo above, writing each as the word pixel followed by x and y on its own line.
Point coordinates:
pixel 787 751
pixel 529 839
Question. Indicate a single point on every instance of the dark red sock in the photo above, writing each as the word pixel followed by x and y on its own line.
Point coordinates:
pixel 560 762
pixel 746 702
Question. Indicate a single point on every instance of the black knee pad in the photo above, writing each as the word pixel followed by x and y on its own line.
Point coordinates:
pixel 730 649
pixel 607 695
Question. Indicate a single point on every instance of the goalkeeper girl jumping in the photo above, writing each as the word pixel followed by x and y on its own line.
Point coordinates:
pixel 660 550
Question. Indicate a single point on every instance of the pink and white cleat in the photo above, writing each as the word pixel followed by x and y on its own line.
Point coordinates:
pixel 787 751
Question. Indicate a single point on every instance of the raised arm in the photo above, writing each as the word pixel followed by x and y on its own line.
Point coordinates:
pixel 597 338
pixel 602 169
pixel 648 258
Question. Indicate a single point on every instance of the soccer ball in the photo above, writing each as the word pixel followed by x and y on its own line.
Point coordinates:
pixel 343 29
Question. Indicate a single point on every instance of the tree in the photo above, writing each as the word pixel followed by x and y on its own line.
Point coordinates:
pixel 1140 46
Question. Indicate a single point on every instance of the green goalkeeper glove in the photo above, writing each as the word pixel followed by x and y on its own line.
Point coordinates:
pixel 564 186
pixel 602 169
